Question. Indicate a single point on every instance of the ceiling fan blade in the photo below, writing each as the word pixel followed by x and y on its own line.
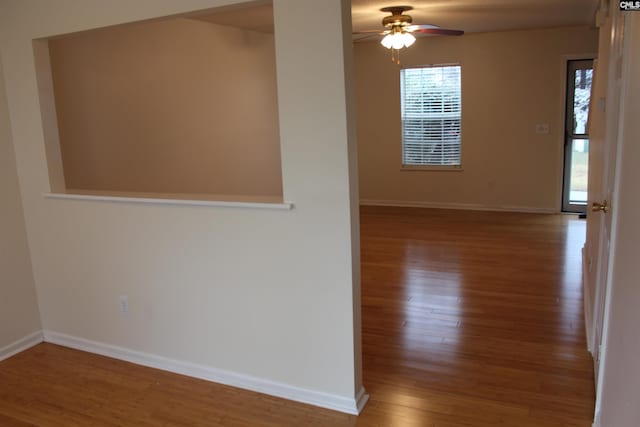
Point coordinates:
pixel 364 37
pixel 370 32
pixel 439 32
pixel 412 28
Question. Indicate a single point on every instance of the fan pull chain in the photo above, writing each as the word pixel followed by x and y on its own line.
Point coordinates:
pixel 395 56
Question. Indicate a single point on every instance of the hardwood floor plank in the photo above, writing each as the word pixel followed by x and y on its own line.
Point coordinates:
pixel 470 319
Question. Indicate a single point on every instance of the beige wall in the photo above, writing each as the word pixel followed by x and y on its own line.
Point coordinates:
pixel 264 293
pixel 18 307
pixel 511 81
pixel 176 106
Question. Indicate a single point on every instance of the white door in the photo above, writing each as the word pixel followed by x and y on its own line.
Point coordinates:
pixel 603 128
pixel 619 374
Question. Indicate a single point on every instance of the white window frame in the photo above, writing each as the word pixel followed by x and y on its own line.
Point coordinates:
pixel 429 167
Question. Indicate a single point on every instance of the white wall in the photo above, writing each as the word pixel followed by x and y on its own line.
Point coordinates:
pixel 264 293
pixel 18 306
pixel 621 373
pixel 511 81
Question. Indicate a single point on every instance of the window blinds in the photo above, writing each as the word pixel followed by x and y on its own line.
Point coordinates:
pixel 431 115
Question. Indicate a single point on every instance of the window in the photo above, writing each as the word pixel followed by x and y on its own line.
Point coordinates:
pixel 431 116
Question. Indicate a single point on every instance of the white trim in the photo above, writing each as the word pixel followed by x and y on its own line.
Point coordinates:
pixel 564 63
pixel 430 168
pixel 586 301
pixel 21 345
pixel 349 405
pixel 457 206
pixel 417 167
pixel 361 399
pixel 184 202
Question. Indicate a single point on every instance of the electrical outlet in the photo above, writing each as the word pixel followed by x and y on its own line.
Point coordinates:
pixel 124 304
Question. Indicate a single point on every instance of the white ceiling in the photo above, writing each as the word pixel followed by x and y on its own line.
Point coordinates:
pixel 468 15
pixel 480 15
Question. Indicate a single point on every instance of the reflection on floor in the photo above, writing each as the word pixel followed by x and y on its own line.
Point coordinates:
pixel 475 318
pixel 470 319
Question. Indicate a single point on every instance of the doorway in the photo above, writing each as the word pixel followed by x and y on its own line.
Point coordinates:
pixel 576 144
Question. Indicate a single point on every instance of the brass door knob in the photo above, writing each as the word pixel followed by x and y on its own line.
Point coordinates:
pixel 600 207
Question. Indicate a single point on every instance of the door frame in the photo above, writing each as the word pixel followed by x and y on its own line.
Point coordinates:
pixel 569 136
pixel 562 106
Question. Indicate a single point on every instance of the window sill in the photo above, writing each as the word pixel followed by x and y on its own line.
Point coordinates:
pixel 406 168
pixel 175 199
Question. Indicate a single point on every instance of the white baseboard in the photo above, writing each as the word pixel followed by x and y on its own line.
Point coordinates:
pixel 349 405
pixel 361 399
pixel 457 206
pixel 21 345
pixel 586 301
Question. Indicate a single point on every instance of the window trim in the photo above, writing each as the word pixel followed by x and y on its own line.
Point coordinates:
pixel 430 168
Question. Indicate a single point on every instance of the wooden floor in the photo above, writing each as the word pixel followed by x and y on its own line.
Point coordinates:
pixel 469 319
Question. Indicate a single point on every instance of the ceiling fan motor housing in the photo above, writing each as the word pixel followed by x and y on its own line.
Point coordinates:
pixel 396 19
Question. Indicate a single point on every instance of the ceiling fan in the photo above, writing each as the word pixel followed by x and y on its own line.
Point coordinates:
pixel 399 30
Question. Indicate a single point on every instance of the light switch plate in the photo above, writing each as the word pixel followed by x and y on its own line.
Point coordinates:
pixel 542 128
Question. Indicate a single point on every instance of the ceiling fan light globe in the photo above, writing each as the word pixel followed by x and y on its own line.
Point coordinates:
pixel 398 41
pixel 387 41
pixel 409 39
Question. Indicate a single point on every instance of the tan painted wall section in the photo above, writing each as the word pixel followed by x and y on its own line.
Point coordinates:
pixel 511 81
pixel 18 306
pixel 176 106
